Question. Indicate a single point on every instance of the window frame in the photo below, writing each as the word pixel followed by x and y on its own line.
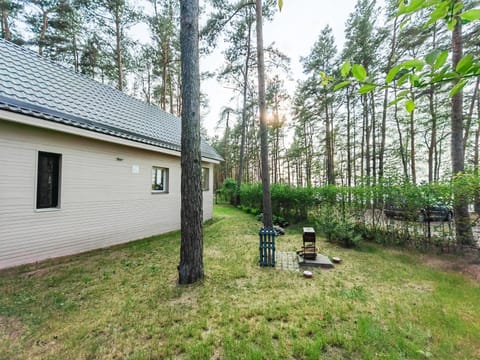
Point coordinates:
pixel 56 186
pixel 205 182
pixel 165 176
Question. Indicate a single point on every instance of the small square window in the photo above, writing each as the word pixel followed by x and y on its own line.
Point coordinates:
pixel 159 179
pixel 48 180
pixel 205 179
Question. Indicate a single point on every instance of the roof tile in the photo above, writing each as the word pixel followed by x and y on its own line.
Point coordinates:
pixel 42 88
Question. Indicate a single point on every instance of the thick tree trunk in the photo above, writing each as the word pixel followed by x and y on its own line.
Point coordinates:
pixel 267 202
pixel 463 229
pixel 191 252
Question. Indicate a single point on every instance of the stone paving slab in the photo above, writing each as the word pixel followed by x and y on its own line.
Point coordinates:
pixel 286 261
pixel 320 261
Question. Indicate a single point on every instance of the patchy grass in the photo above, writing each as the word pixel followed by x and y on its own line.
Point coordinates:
pixel 124 302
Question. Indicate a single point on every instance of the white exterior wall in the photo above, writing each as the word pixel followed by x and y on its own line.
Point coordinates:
pixel 102 201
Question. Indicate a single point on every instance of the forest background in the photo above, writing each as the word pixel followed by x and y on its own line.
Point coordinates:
pixel 320 133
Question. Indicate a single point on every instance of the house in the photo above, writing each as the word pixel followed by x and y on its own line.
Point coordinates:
pixel 82 165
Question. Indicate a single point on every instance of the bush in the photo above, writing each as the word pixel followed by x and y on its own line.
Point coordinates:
pixel 337 227
pixel 228 191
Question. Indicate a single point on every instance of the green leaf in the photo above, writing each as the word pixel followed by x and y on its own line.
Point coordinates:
pixel 346 68
pixel 414 80
pixel 396 101
pixel 341 85
pixel 451 24
pixel 359 72
pixel 410 105
pixel 444 76
pixel 459 86
pixel 464 64
pixel 280 4
pixel 403 79
pixel 431 57
pixel 471 15
pixel 441 59
pixel 367 88
pixel 392 73
pixel 440 12
pixel 413 6
pixel 414 63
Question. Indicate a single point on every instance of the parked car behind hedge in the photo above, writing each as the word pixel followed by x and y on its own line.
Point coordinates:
pixel 437 212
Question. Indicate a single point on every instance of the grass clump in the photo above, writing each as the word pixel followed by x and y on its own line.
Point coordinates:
pixel 124 302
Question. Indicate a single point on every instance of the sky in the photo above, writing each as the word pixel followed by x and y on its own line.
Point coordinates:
pixel 294 30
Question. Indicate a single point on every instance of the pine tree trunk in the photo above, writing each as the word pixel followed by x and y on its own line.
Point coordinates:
pixel 433 136
pixel 6 34
pixel 468 125
pixel 400 139
pixel 43 32
pixel 349 141
pixel 413 166
pixel 463 229
pixel 118 48
pixel 191 253
pixel 476 154
pixel 267 203
pixel 244 112
pixel 385 102
pixel 329 147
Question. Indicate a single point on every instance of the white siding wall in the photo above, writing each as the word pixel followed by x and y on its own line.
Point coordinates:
pixel 102 201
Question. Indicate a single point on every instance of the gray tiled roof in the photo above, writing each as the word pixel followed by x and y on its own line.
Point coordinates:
pixel 34 86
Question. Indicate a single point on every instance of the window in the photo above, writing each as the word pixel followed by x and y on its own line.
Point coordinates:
pixel 205 179
pixel 159 179
pixel 48 180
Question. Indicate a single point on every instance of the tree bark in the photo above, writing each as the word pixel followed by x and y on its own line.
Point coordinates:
pixel 191 252
pixel 385 102
pixel 329 145
pixel 433 136
pixel 6 34
pixel 463 229
pixel 476 159
pixel 468 125
pixel 118 48
pixel 43 32
pixel 413 166
pixel 349 152
pixel 400 139
pixel 267 203
pixel 244 112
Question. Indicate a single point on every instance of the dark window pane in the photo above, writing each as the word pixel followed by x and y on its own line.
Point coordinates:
pixel 48 180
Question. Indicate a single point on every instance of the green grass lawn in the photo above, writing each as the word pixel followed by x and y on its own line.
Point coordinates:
pixel 124 303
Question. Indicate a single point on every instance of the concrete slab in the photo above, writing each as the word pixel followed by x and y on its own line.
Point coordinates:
pixel 321 261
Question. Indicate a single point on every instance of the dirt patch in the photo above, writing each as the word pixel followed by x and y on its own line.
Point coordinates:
pixel 468 265
pixel 10 327
pixel 37 273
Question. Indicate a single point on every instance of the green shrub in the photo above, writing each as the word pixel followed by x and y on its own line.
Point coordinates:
pixel 337 227
pixel 228 191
